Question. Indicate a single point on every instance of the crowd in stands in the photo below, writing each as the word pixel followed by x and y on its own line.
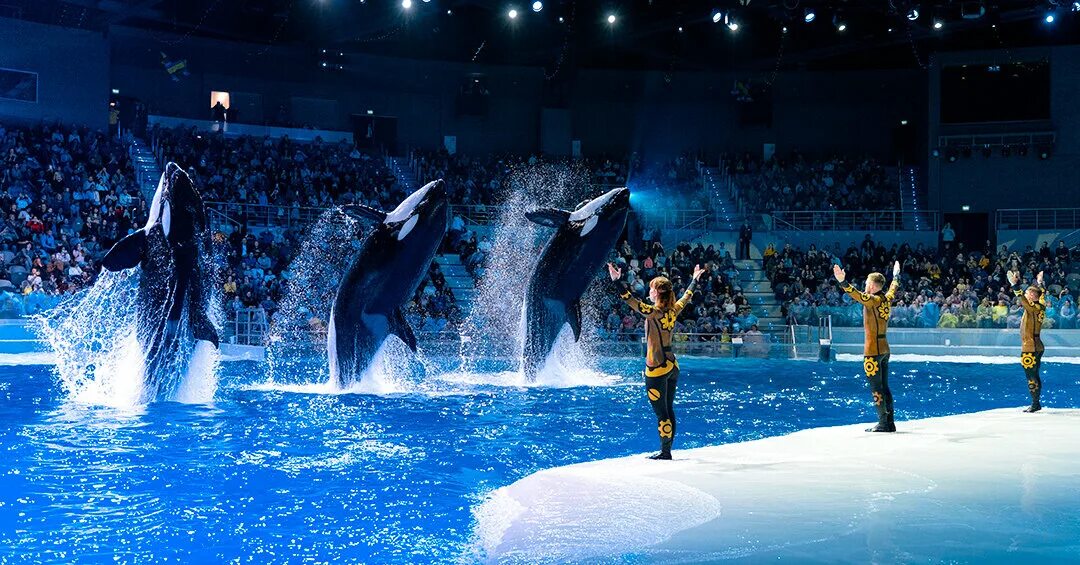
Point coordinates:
pixel 798 183
pixel 718 311
pixel 956 288
pixel 68 194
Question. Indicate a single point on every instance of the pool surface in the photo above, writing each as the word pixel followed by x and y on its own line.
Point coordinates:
pixel 271 473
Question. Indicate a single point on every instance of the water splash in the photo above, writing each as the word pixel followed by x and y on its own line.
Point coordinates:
pixel 99 342
pixel 495 325
pixel 296 349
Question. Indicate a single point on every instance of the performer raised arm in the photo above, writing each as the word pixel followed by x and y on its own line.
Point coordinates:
pixel 876 311
pixel 1031 346
pixel 661 368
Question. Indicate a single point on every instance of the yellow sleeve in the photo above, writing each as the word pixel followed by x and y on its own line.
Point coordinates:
pixel 861 297
pixel 682 302
pixel 891 294
pixel 636 305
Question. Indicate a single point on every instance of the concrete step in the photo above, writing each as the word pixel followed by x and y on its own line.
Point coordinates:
pixel 752 275
pixel 448 259
pixel 465 294
pixel 456 281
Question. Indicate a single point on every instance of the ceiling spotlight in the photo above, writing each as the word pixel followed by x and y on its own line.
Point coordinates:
pixel 1049 17
pixel 913 14
pixel 611 19
pixel 680 29
pixel 938 24
pixel 783 29
pixel 426 1
pixel 449 12
pixel 406 4
pixel 1076 6
pixel 809 15
pixel 561 20
pixel 538 5
pixel 839 22
pixel 733 25
pixel 512 13
pixel 717 15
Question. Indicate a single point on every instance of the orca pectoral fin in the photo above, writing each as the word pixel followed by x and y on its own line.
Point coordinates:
pixel 573 317
pixel 402 329
pixel 550 217
pixel 204 330
pixel 364 213
pixel 126 253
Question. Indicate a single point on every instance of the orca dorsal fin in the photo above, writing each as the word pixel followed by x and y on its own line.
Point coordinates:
pixel 126 253
pixel 364 213
pixel 402 329
pixel 573 317
pixel 550 217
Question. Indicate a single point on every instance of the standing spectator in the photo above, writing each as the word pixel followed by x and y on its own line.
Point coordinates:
pixel 947 238
pixel 745 235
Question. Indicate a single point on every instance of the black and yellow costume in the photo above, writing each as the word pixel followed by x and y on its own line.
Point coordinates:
pixel 1031 345
pixel 661 368
pixel 876 311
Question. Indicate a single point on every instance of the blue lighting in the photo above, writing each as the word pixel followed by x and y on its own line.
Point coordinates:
pixel 1050 18
pixel 809 15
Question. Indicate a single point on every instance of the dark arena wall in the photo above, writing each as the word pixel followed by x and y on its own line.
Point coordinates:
pixel 1014 181
pixel 72 68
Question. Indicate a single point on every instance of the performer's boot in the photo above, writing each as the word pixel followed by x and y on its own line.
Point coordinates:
pixel 883 420
pixel 662 456
pixel 1035 387
pixel 665 449
pixel 889 414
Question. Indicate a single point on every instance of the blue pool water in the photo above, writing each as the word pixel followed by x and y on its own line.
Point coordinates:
pixel 268 475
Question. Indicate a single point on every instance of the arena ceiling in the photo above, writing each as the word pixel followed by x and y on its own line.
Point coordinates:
pixel 650 34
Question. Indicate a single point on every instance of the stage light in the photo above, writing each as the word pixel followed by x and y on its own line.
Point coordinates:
pixel 512 14
pixel 913 14
pixel 406 4
pixel 611 19
pixel 809 15
pixel 680 29
pixel 717 15
pixel 783 29
pixel 426 1
pixel 938 24
pixel 733 25
pixel 538 5
pixel 449 12
pixel 839 22
pixel 561 20
pixel 1049 17
pixel 1076 6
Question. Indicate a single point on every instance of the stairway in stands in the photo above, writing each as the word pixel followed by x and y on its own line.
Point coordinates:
pixel 147 169
pixel 759 292
pixel 404 173
pixel 914 197
pixel 727 216
pixel 458 279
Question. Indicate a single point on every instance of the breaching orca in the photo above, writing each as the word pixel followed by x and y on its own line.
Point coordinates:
pixel 173 302
pixel 383 276
pixel 569 262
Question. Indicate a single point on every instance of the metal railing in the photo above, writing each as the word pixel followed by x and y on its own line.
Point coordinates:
pixel 249 326
pixel 262 215
pixel 1038 219
pixel 678 220
pixel 843 220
